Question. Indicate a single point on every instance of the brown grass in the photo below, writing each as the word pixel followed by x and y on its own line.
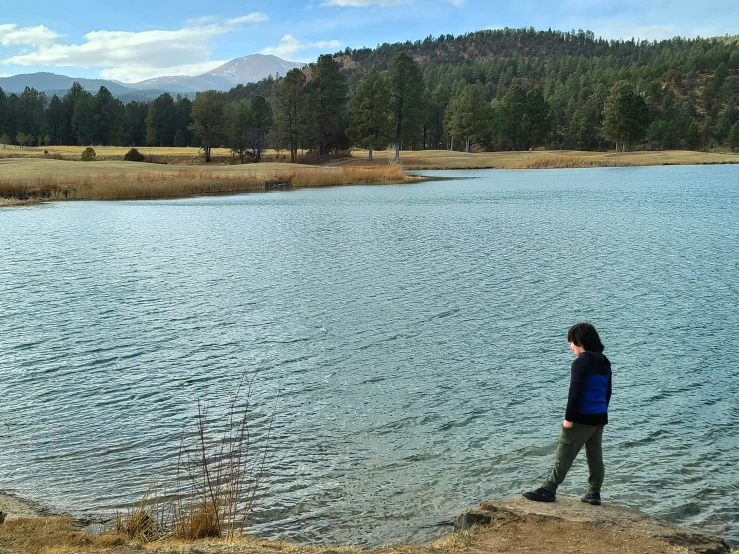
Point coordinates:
pixel 199 522
pixel 56 535
pixel 563 162
pixel 100 185
pixel 541 159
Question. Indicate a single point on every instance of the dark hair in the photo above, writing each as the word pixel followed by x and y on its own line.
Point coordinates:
pixel 585 335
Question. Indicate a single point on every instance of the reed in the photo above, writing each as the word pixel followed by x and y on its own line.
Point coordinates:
pixel 220 474
pixel 562 162
pixel 183 183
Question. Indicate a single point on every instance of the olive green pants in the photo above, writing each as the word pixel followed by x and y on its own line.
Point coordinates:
pixel 570 443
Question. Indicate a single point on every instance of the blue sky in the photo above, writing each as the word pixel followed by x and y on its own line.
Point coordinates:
pixel 139 39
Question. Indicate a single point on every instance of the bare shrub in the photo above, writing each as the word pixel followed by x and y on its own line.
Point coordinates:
pixel 220 474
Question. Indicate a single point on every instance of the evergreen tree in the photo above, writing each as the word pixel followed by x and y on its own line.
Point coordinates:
pixel 183 118
pixel 161 120
pixel 108 119
pixel 734 137
pixel 370 124
pixel 693 137
pixel 514 108
pixel 209 112
pixel 260 123
pixel 625 115
pixel 289 103
pixel 468 117
pixel 328 91
pixel 83 119
pixel 3 111
pixel 135 123
pixel 241 120
pixel 69 101
pixel 55 120
pixel 406 98
pixel 540 116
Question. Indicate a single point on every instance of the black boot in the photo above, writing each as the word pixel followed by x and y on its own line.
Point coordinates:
pixel 592 498
pixel 540 495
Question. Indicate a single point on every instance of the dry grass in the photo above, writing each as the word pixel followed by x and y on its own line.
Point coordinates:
pixel 200 522
pixel 34 180
pixel 56 535
pixel 444 159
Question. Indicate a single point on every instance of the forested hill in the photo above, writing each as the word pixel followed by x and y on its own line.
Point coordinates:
pixel 495 89
pixel 691 86
pixel 498 58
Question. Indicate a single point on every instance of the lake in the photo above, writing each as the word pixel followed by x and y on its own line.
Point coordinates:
pixel 413 337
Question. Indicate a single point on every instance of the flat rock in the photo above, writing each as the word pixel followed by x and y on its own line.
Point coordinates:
pixel 14 508
pixel 610 516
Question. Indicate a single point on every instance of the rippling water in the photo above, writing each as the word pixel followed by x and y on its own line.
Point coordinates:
pixel 415 336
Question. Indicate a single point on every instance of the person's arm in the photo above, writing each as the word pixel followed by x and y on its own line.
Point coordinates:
pixel 608 392
pixel 577 389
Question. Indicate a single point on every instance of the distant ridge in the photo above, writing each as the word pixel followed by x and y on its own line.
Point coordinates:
pixel 43 81
pixel 247 69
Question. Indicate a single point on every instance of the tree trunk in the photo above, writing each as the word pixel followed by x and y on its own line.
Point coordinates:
pixel 467 145
pixel 370 153
pixel 397 151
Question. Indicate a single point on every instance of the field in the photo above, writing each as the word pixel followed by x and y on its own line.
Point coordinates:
pixel 35 179
pixel 30 175
pixel 426 159
pixel 545 159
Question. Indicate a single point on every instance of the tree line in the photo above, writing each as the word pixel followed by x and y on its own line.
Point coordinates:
pixel 495 90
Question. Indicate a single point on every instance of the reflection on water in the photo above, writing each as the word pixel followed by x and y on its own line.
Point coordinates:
pixel 415 336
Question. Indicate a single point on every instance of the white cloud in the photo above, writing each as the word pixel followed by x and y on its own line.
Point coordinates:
pixel 11 35
pixel 256 17
pixel 457 2
pixel 362 3
pixel 289 46
pixel 133 73
pixel 128 56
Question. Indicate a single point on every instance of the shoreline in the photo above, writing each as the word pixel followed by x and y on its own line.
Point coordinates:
pixel 511 525
pixel 31 179
pixel 16 507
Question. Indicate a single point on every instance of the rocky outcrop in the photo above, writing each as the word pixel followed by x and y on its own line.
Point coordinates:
pixel 607 516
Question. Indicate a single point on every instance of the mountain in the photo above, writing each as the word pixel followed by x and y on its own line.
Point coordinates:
pixel 247 69
pixel 54 82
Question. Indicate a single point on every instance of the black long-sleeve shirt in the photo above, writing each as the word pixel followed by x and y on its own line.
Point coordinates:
pixel 590 389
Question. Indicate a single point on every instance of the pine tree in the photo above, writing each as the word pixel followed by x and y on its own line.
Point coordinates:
pixel 289 104
pixel 370 122
pixel 734 136
pixel 260 122
pixel 209 110
pixel 468 115
pixel 406 98
pixel 625 115
pixel 514 105
pixel 328 97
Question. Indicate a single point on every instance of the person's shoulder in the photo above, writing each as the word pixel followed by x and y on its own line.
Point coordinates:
pixel 593 360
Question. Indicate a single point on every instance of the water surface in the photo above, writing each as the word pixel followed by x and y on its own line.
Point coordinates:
pixel 414 334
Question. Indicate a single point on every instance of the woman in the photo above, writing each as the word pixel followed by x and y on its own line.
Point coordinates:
pixel 585 417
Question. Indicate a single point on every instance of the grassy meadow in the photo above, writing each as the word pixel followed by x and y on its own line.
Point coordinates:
pixel 30 179
pixel 544 159
pixel 29 175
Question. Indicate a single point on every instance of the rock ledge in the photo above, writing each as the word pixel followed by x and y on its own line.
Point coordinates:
pixel 608 516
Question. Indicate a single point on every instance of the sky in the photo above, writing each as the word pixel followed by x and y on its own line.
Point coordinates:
pixel 139 39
